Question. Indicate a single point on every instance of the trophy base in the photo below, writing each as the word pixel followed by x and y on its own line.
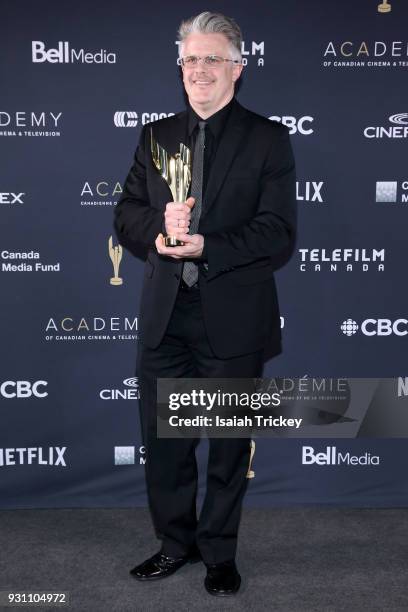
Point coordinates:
pixel 116 281
pixel 172 241
pixel 384 8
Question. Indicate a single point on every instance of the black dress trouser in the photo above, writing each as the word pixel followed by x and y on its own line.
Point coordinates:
pixel 171 467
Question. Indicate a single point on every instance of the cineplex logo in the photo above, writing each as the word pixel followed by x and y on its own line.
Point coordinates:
pixel 347 260
pixel 131 118
pixel 8 197
pixel 375 327
pixel 49 455
pixel 82 329
pixel 397 129
pixel 295 125
pixel 64 54
pixel 22 389
pixel 130 392
pixel 391 191
pixel 331 456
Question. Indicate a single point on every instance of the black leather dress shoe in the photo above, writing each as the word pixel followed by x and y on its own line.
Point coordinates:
pixel 222 578
pixel 161 566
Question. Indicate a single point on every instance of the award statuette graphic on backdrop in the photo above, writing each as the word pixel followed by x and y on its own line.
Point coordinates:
pixel 176 171
pixel 115 253
pixel 384 7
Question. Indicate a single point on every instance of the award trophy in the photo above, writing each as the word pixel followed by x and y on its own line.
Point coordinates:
pixel 176 171
pixel 115 253
pixel 251 473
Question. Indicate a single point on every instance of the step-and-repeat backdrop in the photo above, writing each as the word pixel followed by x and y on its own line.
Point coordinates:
pixel 77 83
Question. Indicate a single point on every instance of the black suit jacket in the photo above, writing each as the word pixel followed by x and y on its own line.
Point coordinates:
pixel 248 222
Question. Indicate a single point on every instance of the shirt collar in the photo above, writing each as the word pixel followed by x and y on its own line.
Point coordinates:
pixel 215 123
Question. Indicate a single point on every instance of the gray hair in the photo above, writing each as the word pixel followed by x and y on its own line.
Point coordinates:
pixel 213 23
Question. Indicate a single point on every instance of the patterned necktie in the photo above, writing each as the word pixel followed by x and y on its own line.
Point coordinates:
pixel 190 270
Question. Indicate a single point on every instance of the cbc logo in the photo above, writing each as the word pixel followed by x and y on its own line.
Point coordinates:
pixel 295 125
pixel 376 327
pixel 131 118
pixel 23 388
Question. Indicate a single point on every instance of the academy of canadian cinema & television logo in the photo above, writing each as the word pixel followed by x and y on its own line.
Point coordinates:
pixel 365 54
pixel 100 193
pixel 90 328
pixel 30 123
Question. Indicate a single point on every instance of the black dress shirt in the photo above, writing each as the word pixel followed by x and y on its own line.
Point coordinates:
pixel 213 134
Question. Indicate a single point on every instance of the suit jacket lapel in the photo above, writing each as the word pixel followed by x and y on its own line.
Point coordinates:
pixel 230 143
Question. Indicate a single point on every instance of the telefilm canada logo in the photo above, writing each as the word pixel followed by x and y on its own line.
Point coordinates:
pixel 26 261
pixel 341 260
pixel 130 119
pixel 100 193
pixel 391 192
pixel 331 456
pixel 90 328
pixel 375 327
pixel 251 51
pixel 296 125
pixel 65 54
pixel 34 124
pixel 397 129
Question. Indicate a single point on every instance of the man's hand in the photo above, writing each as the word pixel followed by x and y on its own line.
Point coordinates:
pixel 193 246
pixel 177 217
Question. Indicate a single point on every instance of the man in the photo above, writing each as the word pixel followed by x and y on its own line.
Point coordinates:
pixel 209 308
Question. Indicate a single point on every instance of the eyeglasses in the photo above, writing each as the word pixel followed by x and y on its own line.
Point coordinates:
pixel 209 60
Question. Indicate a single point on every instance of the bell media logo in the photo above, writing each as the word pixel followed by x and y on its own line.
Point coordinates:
pixel 64 54
pixel 331 456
